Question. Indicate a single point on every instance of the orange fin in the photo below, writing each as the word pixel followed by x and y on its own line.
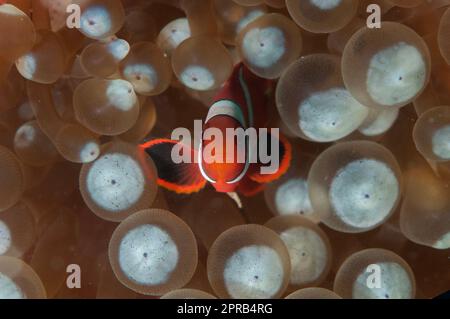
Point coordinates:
pixel 182 178
pixel 285 156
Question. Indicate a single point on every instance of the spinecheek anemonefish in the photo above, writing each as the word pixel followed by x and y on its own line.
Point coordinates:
pixel 243 102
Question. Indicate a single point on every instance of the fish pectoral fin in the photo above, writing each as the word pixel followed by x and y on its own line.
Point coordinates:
pixel 235 197
pixel 180 176
pixel 263 172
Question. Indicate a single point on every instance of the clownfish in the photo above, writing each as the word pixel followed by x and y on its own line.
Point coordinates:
pixel 243 102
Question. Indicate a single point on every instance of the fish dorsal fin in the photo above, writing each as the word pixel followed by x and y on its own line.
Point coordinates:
pixel 248 97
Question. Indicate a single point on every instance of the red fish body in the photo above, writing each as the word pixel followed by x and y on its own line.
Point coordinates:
pixel 241 104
